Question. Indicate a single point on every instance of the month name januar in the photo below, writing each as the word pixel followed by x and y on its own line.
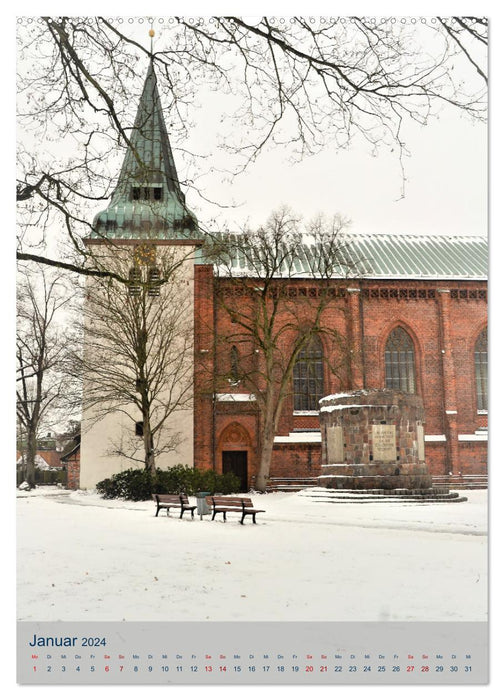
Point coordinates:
pixel 52 641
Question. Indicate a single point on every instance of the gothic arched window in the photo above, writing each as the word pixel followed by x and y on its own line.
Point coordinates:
pixel 400 361
pixel 480 369
pixel 234 361
pixel 309 377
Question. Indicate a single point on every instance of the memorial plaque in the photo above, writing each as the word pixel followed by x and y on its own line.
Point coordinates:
pixel 384 443
pixel 421 443
pixel 335 452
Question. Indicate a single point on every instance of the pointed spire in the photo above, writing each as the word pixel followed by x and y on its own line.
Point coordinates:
pixel 151 34
pixel 149 159
pixel 148 202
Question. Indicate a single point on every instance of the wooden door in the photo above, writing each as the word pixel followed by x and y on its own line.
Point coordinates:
pixel 235 462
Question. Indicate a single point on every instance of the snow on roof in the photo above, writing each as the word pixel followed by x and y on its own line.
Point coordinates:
pixel 40 462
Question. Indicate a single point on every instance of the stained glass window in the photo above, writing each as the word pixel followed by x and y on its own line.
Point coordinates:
pixel 309 377
pixel 400 361
pixel 480 368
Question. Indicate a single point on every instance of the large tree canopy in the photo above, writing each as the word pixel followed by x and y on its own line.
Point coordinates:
pixel 308 82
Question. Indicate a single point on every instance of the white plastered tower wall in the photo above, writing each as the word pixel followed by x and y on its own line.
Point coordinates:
pixel 147 209
pixel 104 430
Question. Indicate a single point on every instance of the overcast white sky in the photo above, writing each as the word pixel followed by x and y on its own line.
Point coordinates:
pixel 445 189
pixel 446 174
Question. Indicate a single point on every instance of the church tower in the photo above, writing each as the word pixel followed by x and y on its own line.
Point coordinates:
pixel 148 237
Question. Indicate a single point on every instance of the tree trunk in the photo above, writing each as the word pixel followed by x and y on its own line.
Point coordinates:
pixel 268 438
pixel 31 452
pixel 267 441
pixel 149 458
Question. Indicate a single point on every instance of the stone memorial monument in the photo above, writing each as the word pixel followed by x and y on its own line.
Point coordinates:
pixel 373 439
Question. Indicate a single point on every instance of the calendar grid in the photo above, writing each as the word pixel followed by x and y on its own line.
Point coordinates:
pixel 252 652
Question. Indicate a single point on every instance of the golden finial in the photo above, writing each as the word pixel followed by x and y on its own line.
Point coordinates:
pixel 152 33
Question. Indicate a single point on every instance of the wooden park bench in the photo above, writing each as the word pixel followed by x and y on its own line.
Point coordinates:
pixel 169 500
pixel 233 504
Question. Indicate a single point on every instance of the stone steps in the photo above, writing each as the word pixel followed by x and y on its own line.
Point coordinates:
pixel 447 482
pixel 381 492
pixel 435 495
pixel 290 484
pixel 404 499
pixel 467 481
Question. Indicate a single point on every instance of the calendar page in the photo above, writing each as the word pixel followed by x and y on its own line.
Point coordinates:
pixel 252 437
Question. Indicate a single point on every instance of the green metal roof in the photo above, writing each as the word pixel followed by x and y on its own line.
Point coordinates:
pixel 422 257
pixel 385 256
pixel 148 165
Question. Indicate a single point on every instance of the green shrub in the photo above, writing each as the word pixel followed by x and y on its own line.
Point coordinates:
pixel 108 488
pixel 138 484
pixel 219 483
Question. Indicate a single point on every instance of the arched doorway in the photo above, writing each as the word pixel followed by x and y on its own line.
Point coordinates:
pixel 234 447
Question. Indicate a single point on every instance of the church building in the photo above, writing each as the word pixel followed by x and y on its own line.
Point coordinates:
pixel 414 319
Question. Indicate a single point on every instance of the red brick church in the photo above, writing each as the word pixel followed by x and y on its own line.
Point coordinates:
pixel 417 322
pixel 414 320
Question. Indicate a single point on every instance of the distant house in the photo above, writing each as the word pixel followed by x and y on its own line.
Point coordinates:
pixel 49 457
pixel 40 462
pixel 52 457
pixel 71 461
pixel 44 459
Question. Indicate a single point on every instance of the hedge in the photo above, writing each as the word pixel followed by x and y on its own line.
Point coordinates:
pixel 139 484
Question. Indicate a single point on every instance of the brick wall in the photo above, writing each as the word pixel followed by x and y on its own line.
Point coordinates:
pixel 299 460
pixel 473 457
pixel 439 316
pixel 204 425
pixel 73 471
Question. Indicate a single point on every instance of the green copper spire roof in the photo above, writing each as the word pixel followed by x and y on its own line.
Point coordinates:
pixel 147 202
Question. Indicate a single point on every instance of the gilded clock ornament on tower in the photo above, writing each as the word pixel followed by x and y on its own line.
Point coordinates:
pixel 145 254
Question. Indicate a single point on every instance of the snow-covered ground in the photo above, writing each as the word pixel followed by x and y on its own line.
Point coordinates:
pixel 84 558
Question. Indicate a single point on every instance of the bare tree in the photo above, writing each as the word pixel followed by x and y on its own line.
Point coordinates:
pixel 44 389
pixel 138 350
pixel 301 80
pixel 262 289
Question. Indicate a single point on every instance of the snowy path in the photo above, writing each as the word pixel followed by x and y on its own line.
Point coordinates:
pixel 303 561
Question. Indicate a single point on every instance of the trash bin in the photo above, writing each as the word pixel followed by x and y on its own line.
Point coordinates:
pixel 202 505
